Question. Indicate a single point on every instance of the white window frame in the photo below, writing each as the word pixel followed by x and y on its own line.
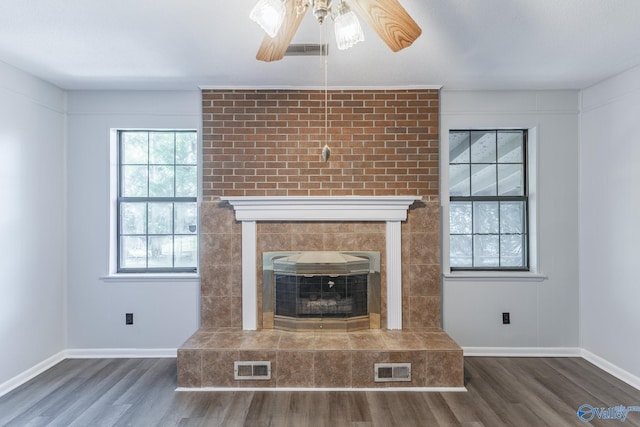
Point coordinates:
pixel 112 269
pixel 534 273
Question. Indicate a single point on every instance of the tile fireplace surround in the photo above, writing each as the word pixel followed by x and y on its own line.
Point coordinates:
pixel 237 230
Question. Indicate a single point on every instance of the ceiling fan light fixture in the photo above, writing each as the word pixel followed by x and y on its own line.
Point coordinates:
pixel 269 14
pixel 347 27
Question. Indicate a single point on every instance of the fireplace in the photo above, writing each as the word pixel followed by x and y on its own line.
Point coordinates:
pixel 321 290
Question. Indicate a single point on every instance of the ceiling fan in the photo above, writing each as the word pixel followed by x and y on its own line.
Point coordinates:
pixel 281 19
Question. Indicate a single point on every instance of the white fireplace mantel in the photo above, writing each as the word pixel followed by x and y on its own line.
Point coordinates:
pixel 390 209
pixel 346 208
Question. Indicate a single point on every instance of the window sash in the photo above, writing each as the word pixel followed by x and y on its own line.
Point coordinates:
pixel 465 158
pixel 153 245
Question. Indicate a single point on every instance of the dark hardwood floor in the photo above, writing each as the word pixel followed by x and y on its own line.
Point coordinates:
pixel 140 392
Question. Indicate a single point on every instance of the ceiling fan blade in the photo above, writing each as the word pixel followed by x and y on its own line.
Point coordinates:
pixel 390 20
pixel 273 49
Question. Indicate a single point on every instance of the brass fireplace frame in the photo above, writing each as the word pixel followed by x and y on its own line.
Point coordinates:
pixel 369 321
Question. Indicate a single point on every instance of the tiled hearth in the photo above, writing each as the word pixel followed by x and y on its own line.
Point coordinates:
pixel 320 360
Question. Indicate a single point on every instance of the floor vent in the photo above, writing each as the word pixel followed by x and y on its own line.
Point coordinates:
pixel 252 370
pixel 387 372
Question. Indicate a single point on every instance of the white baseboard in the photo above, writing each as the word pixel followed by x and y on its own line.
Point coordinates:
pixel 320 389
pixel 523 351
pixel 120 353
pixel 30 373
pixel 612 369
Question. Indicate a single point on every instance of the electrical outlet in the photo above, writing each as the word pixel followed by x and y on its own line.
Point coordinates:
pixel 128 319
pixel 506 318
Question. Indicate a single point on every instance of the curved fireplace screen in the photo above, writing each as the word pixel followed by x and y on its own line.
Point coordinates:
pixel 321 290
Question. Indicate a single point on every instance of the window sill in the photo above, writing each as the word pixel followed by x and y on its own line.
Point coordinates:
pixel 151 277
pixel 495 276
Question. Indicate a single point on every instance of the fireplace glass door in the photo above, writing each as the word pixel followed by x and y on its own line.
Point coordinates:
pixel 321 296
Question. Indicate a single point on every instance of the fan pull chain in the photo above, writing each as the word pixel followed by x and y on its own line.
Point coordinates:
pixel 326 151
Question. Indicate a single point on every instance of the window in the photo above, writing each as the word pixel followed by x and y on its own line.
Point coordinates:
pixel 488 200
pixel 157 213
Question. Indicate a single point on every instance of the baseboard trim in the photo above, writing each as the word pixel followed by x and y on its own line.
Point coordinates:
pixel 612 369
pixel 30 373
pixel 321 389
pixel 121 353
pixel 522 351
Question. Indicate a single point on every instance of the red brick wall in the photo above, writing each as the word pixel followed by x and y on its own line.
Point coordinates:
pixel 269 142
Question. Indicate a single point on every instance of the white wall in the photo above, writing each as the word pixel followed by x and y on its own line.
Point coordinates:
pixel 544 313
pixel 166 313
pixel 32 225
pixel 610 220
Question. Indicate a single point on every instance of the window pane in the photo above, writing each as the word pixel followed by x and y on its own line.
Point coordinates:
pixel 134 181
pixel 133 218
pixel 512 217
pixel 161 181
pixel 510 146
pixel 186 181
pixel 459 181
pixel 459 147
pixel 186 251
pixel 483 147
pixel 485 218
pixel 133 252
pixel 461 251
pixel 160 251
pixel 483 180
pixel 512 252
pixel 460 217
pixel 161 148
pixel 135 149
pixel 186 148
pixel 510 180
pixel 186 218
pixel 486 251
pixel 160 218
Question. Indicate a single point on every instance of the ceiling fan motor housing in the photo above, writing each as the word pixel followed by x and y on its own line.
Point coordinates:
pixel 321 9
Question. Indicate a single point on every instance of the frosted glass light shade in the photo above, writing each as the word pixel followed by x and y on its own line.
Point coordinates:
pixel 269 14
pixel 348 30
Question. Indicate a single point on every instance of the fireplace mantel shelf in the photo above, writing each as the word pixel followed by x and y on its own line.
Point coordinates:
pixel 339 208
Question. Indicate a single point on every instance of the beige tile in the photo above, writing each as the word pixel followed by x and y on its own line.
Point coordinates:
pixel 189 368
pixel 226 340
pixel 274 242
pixel 295 369
pixel 217 368
pixel 400 341
pixel 367 340
pixel 363 363
pixel 265 339
pixel 445 369
pixel 215 312
pixel 424 312
pixel 425 248
pixel 437 341
pixel 425 280
pixel 198 340
pixel 298 341
pixel 332 368
pixel 307 242
pixel 424 218
pixel 332 341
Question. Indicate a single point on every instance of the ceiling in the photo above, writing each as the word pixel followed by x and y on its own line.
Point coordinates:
pixel 465 44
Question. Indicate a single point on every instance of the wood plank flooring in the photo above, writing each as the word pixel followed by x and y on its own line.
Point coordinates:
pixel 140 392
